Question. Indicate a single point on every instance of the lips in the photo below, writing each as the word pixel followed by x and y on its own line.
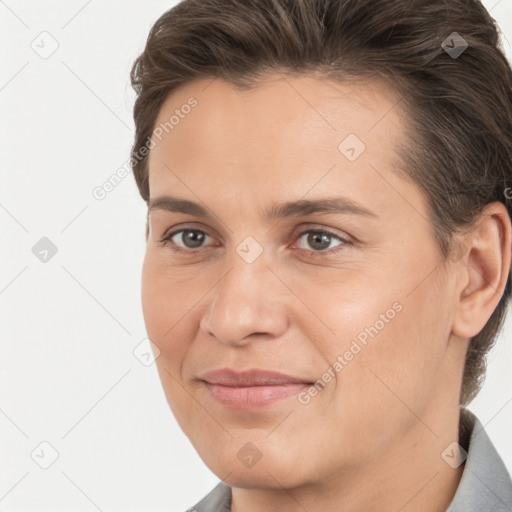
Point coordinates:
pixel 227 377
pixel 251 389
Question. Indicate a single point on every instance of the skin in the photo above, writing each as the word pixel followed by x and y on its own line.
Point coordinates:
pixel 372 438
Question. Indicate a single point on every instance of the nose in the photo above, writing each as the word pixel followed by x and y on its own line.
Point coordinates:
pixel 248 303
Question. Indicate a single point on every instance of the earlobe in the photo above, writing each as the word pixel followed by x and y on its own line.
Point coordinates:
pixel 485 268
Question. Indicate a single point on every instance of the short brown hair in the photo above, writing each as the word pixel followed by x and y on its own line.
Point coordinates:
pixel 459 144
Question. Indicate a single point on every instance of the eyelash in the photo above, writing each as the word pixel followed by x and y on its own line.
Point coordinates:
pixel 166 240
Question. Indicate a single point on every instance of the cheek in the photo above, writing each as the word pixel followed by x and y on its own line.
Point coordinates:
pixel 166 303
pixel 392 347
pixel 396 371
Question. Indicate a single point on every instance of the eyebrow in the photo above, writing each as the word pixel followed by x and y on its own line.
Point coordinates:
pixel 280 210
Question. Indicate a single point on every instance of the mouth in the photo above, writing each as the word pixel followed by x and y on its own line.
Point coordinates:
pixel 251 389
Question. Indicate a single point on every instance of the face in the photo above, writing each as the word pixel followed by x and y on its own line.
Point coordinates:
pixel 291 282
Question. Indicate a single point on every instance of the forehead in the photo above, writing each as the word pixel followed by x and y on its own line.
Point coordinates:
pixel 289 130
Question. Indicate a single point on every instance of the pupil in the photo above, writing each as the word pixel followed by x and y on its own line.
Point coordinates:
pixel 321 238
pixel 192 239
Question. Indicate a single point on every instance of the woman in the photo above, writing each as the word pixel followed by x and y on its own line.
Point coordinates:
pixel 328 246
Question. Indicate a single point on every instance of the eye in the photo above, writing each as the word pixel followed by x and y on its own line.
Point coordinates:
pixel 185 239
pixel 311 241
pixel 320 241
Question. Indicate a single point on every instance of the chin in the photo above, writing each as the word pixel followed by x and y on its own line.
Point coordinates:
pixel 271 470
pixel 262 478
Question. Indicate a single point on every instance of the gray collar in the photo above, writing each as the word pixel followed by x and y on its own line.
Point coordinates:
pixel 218 500
pixel 485 483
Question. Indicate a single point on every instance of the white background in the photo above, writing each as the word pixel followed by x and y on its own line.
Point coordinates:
pixel 69 326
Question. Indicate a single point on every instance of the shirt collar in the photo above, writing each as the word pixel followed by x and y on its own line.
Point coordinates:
pixel 485 482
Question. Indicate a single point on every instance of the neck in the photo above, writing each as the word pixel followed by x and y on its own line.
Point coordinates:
pixel 410 476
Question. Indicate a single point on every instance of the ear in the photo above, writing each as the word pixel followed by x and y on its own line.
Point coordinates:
pixel 483 270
